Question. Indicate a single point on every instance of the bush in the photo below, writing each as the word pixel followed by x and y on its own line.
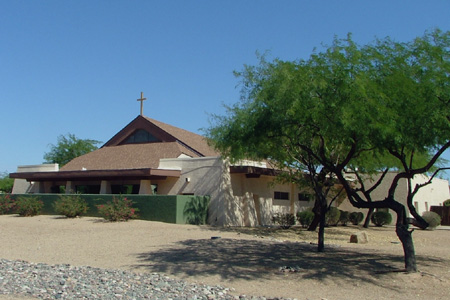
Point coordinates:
pixel 70 206
pixel 6 203
pixel 285 221
pixel 332 216
pixel 447 202
pixel 118 210
pixel 305 217
pixel 356 217
pixel 432 218
pixel 380 218
pixel 28 206
pixel 344 218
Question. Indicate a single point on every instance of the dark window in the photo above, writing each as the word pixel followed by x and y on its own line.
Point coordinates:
pixel 305 197
pixel 141 136
pixel 281 196
pixel 87 189
pixel 125 189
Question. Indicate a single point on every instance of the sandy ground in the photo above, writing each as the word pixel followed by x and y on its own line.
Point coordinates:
pixel 246 259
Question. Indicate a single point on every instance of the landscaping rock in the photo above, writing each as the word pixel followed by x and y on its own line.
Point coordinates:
pixel 359 238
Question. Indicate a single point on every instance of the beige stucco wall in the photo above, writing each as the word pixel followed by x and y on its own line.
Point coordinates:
pixel 206 176
pixel 235 199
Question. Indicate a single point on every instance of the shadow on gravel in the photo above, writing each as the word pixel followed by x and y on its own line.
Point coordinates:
pixel 252 259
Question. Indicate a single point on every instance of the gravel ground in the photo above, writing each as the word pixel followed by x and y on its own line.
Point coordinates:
pixel 50 257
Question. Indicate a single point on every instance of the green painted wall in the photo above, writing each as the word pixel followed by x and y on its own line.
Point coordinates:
pixel 178 209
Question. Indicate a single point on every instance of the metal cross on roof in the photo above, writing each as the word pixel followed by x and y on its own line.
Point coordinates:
pixel 142 102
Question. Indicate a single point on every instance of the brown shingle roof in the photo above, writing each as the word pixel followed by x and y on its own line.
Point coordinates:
pixel 130 156
pixel 190 139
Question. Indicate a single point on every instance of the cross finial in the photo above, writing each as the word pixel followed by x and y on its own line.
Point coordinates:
pixel 142 102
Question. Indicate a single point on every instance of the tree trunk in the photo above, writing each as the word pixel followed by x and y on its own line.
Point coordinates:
pixel 405 237
pixel 315 222
pixel 369 215
pixel 321 238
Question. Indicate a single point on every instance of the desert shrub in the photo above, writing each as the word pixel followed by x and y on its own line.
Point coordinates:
pixel 70 206
pixel 356 217
pixel 119 209
pixel 305 217
pixel 432 218
pixel 285 221
pixel 380 218
pixel 6 203
pixel 447 202
pixel 332 216
pixel 344 218
pixel 28 206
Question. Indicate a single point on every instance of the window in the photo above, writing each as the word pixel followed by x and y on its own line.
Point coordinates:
pixel 281 195
pixel 305 197
pixel 141 136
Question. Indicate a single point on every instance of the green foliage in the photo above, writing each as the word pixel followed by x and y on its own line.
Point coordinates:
pixel 28 206
pixel 285 221
pixel 382 105
pixel 6 203
pixel 70 206
pixel 119 209
pixel 344 218
pixel 433 219
pixel 196 211
pixel 68 147
pixel 305 217
pixel 447 202
pixel 356 217
pixel 380 218
pixel 6 183
pixel 332 216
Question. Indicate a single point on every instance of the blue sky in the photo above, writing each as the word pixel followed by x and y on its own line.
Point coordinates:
pixel 79 66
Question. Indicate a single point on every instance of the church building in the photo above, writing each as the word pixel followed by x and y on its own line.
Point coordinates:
pixel 151 157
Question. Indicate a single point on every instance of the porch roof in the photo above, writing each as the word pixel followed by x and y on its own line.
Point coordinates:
pixel 85 175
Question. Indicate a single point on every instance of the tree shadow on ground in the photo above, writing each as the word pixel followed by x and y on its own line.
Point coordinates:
pixel 252 259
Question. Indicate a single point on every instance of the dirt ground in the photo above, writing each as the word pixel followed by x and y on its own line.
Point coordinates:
pixel 245 259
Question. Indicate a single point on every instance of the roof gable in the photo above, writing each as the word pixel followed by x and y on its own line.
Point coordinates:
pixel 164 133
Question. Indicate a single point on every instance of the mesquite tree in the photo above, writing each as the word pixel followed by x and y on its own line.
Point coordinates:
pixel 372 108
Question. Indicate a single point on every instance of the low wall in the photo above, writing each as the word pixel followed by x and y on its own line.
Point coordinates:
pixel 178 209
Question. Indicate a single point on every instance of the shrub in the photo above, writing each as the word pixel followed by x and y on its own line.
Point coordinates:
pixel 285 221
pixel 344 218
pixel 432 218
pixel 6 203
pixel 332 216
pixel 119 209
pixel 356 217
pixel 28 206
pixel 447 202
pixel 380 218
pixel 305 217
pixel 70 206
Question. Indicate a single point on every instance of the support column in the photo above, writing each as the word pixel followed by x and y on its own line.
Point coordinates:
pixel 292 200
pixel 105 187
pixel 145 187
pixel 70 187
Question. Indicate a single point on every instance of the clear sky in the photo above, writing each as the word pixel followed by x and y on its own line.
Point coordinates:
pixel 79 66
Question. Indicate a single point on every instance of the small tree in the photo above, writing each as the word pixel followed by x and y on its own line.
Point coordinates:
pixel 6 183
pixel 68 147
